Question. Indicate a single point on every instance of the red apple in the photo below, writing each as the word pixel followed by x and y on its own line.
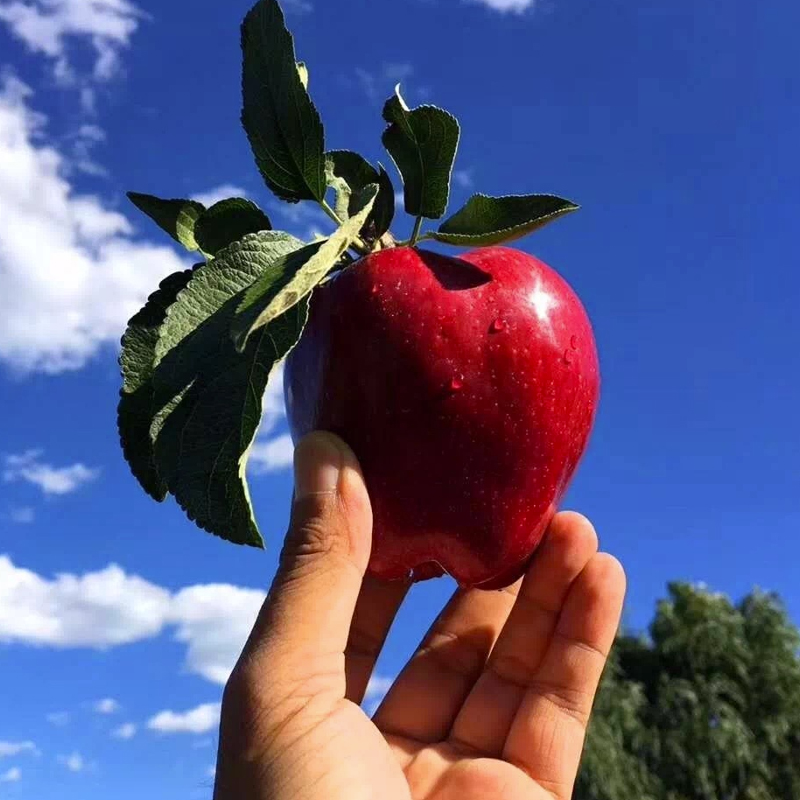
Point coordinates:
pixel 467 387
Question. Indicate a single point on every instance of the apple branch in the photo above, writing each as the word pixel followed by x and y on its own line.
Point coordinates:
pixel 415 234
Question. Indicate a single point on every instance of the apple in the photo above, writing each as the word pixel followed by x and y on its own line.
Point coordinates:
pixel 467 387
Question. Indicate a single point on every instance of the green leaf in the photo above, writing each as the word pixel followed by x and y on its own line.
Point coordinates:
pixel 488 220
pixel 302 270
pixel 281 122
pixel 302 71
pixel 209 395
pixel 340 187
pixel 135 411
pixel 349 173
pixel 176 217
pixel 384 208
pixel 263 294
pixel 353 169
pixel 423 145
pixel 227 222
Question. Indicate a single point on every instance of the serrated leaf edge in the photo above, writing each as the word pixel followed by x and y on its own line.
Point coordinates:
pixel 452 164
pixel 194 205
pixel 162 496
pixel 458 239
pixel 290 195
pixel 258 542
pixel 210 264
pixel 253 206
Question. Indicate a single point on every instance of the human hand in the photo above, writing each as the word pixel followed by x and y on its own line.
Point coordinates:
pixel 494 703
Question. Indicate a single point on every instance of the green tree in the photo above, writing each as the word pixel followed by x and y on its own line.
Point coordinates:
pixel 707 707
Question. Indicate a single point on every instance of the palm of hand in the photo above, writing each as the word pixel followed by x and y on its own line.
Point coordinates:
pixel 393 768
pixel 494 704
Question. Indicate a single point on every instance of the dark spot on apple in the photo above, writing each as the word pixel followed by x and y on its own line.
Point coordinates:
pixel 454 274
pixel 426 571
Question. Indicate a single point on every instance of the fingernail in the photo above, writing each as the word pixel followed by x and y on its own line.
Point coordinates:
pixel 317 463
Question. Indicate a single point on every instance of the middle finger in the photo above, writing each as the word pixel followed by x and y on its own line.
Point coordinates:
pixel 427 696
pixel 486 717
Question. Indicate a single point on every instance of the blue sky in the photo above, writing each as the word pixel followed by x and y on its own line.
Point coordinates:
pixel 672 123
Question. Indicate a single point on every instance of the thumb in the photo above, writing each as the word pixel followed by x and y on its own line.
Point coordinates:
pixel 310 606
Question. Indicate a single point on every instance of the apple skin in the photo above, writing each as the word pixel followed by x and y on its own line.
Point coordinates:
pixel 467 388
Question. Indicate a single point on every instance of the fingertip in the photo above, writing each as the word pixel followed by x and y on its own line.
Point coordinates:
pixel 610 571
pixel 572 526
pixel 605 582
pixel 570 540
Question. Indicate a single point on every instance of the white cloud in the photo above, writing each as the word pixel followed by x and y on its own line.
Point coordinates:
pixel 377 688
pixel 108 705
pixel 22 516
pixel 303 220
pixel 214 622
pixel 71 273
pixel 368 82
pixel 57 718
pixel 99 609
pixel 88 100
pixel 274 405
pixel 507 6
pixel 93 133
pixel 271 455
pixel 73 762
pixel 211 772
pixel 397 70
pixel 12 775
pixel 377 84
pixel 109 608
pixel 463 178
pixel 218 193
pixel 9 749
pixel 297 6
pixel 83 142
pixel 126 731
pixel 50 27
pixel 198 720
pixel 50 479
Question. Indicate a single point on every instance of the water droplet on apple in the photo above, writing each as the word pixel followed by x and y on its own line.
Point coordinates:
pixel 456 383
pixel 374 289
pixel 573 342
pixel 498 326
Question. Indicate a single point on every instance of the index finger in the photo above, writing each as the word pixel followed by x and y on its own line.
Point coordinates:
pixel 376 608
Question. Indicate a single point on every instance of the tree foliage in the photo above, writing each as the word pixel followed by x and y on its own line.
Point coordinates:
pixel 707 707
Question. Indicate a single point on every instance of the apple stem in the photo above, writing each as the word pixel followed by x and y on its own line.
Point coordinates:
pixel 416 232
pixel 358 245
pixel 414 240
pixel 329 211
